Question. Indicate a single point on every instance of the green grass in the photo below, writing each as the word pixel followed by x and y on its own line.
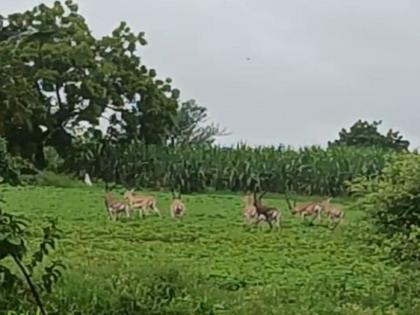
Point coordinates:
pixel 209 263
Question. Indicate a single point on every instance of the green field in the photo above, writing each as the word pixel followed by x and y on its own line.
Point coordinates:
pixel 209 263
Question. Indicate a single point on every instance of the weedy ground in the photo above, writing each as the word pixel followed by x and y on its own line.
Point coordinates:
pixel 209 263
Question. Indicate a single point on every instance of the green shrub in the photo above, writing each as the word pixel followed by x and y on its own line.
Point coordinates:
pixel 17 285
pixel 12 168
pixel 54 160
pixel 393 202
pixel 49 178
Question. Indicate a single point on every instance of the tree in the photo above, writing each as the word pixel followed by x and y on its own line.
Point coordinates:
pixel 365 134
pixel 54 75
pixel 190 126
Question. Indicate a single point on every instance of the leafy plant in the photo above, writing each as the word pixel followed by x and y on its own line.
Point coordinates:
pixel 393 201
pixel 13 244
pixel 12 167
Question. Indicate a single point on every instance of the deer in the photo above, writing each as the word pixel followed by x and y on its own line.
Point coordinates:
pixel 250 211
pixel 115 207
pixel 271 215
pixel 313 209
pixel 178 208
pixel 334 212
pixel 141 203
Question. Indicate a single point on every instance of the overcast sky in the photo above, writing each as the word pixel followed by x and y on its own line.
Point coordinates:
pixel 275 71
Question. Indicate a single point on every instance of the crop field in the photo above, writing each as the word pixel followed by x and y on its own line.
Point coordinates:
pixel 209 263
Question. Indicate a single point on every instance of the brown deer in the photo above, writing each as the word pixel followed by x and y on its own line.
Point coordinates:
pixel 250 211
pixel 334 212
pixel 143 204
pixel 115 207
pixel 271 215
pixel 313 208
pixel 178 208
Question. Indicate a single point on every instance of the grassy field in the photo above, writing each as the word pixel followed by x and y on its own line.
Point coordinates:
pixel 210 263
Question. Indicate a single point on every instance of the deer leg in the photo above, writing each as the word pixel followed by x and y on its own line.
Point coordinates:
pixel 157 211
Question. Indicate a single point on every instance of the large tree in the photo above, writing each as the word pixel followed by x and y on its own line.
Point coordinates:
pixel 55 74
pixel 366 134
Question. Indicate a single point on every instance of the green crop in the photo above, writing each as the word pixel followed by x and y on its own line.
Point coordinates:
pixel 195 169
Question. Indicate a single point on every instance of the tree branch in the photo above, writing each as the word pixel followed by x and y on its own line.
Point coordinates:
pixel 31 285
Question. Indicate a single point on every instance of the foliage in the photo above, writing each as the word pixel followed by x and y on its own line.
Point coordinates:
pixel 53 159
pixel 365 134
pixel 190 128
pixel 393 200
pixel 56 75
pixel 308 170
pixel 13 245
pixel 12 168
pixel 210 264
pixel 52 179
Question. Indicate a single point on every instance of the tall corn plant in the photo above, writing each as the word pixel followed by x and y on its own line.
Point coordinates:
pixel 311 170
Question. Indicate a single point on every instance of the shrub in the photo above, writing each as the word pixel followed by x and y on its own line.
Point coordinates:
pixel 49 178
pixel 393 202
pixel 17 288
pixel 54 160
pixel 12 167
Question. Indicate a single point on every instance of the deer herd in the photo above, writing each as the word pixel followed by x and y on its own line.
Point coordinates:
pixel 254 211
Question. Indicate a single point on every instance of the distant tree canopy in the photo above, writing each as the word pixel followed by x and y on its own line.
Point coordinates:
pixel 190 126
pixel 365 134
pixel 54 75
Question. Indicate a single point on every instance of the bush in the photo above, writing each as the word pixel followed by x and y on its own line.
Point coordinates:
pixel 393 202
pixel 17 285
pixel 49 178
pixel 12 168
pixel 54 160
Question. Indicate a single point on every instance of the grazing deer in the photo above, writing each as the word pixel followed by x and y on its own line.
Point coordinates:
pixel 268 214
pixel 333 212
pixel 178 208
pixel 115 207
pixel 313 209
pixel 141 203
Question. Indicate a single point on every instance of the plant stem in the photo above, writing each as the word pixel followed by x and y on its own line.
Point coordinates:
pixel 31 285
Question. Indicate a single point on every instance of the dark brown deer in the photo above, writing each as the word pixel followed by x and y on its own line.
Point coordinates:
pixel 271 215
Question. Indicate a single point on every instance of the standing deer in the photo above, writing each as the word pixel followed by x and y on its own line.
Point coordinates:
pixel 143 204
pixel 250 211
pixel 178 208
pixel 271 215
pixel 334 212
pixel 115 207
pixel 312 209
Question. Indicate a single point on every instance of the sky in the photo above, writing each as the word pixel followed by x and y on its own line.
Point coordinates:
pixel 275 71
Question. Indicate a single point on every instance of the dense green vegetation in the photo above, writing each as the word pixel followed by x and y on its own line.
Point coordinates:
pixel 56 77
pixel 393 202
pixel 209 263
pixel 307 171
pixel 365 134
